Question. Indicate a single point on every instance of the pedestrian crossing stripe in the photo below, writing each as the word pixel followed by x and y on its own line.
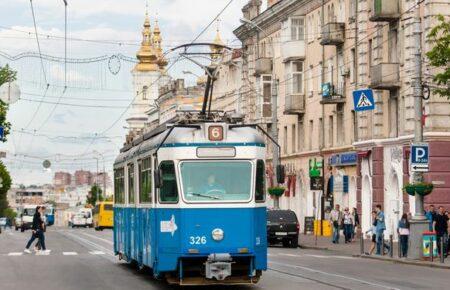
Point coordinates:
pixel 364 101
pixel 15 254
pixel 96 253
pixel 70 253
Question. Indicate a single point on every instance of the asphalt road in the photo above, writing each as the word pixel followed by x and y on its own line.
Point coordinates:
pixel 82 259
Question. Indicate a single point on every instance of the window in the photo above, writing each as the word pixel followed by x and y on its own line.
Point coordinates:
pixel 330 71
pixel 216 181
pixel 145 181
pixel 353 65
pixel 310 80
pixel 130 183
pixel 293 139
pixel 309 29
pixel 295 75
pixel 319 26
pixel 119 186
pixel 331 131
pixel 260 189
pixel 266 88
pixel 301 134
pixel 297 29
pixel 168 193
pixel 355 125
pixel 285 140
pixel 340 124
pixel 393 115
pixel 107 207
pixel 144 92
pixel 310 137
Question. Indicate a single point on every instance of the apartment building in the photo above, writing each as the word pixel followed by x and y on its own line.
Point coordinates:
pixel 320 52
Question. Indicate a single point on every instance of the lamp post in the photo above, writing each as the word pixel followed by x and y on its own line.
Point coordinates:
pixel 274 99
pixel 103 174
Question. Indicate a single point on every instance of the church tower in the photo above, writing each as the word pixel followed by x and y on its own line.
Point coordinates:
pixel 147 76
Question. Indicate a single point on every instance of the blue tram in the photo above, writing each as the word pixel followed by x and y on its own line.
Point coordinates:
pixel 190 203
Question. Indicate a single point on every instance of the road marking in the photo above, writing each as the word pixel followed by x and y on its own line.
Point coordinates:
pixel 329 257
pixel 107 251
pixel 96 253
pixel 290 255
pixel 70 253
pixel 334 275
pixel 15 254
pixel 101 239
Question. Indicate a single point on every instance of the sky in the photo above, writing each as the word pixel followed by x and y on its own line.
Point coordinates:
pixel 78 119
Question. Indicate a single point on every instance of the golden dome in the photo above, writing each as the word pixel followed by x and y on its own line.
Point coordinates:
pixel 216 49
pixel 147 54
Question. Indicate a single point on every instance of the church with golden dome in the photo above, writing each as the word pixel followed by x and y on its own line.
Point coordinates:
pixel 148 75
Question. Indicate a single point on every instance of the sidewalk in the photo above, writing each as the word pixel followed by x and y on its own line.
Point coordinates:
pixel 354 249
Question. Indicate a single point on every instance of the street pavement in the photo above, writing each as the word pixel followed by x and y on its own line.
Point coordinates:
pixel 82 259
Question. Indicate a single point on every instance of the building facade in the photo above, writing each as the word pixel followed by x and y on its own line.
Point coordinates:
pixel 317 53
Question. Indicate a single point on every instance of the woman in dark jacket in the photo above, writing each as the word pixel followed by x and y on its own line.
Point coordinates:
pixel 37 231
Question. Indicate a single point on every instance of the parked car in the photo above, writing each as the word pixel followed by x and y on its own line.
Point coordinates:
pixel 3 222
pixel 79 220
pixel 282 227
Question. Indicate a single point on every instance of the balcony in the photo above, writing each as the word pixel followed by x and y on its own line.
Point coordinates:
pixel 292 50
pixel 263 65
pixel 333 33
pixel 385 76
pixel 295 104
pixel 384 10
pixel 336 95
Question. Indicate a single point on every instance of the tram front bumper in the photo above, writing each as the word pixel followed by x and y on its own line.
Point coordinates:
pixel 218 266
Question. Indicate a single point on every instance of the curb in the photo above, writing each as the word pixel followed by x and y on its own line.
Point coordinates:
pixel 407 262
pixel 313 248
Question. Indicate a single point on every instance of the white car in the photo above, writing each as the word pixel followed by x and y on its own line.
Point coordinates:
pixel 3 222
pixel 79 220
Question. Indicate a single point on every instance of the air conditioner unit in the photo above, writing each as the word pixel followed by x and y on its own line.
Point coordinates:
pixel 345 71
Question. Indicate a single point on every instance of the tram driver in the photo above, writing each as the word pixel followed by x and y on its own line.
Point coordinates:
pixel 213 188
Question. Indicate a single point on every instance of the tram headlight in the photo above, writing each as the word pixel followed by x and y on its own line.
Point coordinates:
pixel 217 234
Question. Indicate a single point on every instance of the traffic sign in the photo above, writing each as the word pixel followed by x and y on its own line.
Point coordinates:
pixel 363 100
pixel 419 157
pixel 2 132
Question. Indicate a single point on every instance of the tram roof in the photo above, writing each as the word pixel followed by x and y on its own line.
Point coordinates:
pixel 189 136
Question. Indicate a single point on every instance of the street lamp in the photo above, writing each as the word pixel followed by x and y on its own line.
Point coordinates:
pixel 188 72
pixel 104 173
pixel 276 153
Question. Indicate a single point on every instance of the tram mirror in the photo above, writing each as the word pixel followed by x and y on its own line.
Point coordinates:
pixel 157 177
pixel 281 173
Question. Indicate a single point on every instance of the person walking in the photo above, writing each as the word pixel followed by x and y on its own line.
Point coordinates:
pixel 440 225
pixel 430 214
pixel 348 221
pixel 356 222
pixel 37 232
pixel 336 219
pixel 380 228
pixel 373 235
pixel 403 232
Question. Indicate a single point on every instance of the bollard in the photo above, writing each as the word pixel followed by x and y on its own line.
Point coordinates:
pixel 391 246
pixel 432 250
pixel 441 252
pixel 361 243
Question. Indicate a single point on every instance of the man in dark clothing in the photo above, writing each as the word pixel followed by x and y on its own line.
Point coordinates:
pixel 37 232
pixel 440 224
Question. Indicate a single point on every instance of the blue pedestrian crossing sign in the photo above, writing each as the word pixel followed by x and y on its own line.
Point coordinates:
pixel 419 157
pixel 363 100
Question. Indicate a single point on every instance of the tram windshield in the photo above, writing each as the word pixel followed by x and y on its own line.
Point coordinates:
pixel 216 180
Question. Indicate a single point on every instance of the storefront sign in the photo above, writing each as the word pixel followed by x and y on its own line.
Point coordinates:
pixel 315 167
pixel 344 159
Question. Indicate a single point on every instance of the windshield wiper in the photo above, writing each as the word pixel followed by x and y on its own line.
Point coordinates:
pixel 204 195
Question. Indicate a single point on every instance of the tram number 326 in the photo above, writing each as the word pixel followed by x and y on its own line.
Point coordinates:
pixel 197 240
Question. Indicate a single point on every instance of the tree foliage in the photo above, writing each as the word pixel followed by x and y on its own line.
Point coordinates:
pixel 95 195
pixel 6 75
pixel 439 55
pixel 5 186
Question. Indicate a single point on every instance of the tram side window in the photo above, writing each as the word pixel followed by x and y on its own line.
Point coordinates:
pixel 131 183
pixel 260 188
pixel 168 193
pixel 119 186
pixel 145 188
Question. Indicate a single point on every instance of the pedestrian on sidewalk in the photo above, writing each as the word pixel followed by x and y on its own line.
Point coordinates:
pixel 37 232
pixel 372 231
pixel 430 214
pixel 348 225
pixel 37 246
pixel 403 231
pixel 336 220
pixel 356 222
pixel 380 228
pixel 441 228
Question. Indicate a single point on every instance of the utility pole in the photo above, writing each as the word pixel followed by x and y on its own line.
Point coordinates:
pixel 419 224
pixel 275 153
pixel 322 129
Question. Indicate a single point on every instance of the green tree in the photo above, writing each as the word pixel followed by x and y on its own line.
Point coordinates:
pixel 6 75
pixel 95 195
pixel 5 186
pixel 9 213
pixel 439 55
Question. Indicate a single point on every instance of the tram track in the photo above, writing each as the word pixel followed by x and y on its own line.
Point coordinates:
pixel 308 278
